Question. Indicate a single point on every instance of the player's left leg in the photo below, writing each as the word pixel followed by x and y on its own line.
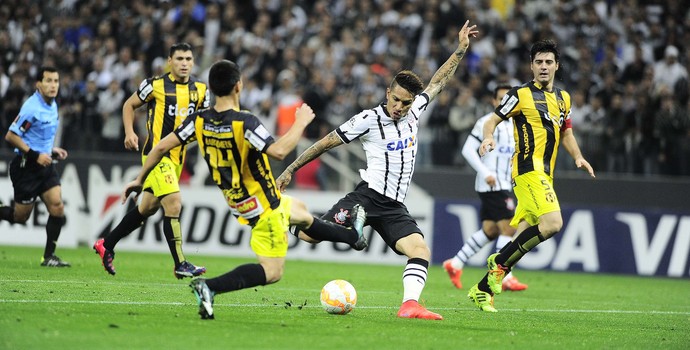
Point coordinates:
pixel 414 277
pixel 510 282
pixel 172 206
pixel 56 219
pixel 350 228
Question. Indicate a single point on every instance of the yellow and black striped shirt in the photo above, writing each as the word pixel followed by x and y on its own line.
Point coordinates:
pixel 539 118
pixel 168 104
pixel 233 144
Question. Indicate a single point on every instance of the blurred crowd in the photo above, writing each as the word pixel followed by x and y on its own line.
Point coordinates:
pixel 625 64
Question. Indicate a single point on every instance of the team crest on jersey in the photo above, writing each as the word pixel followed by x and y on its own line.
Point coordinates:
pixel 341 217
pixel 194 96
pixel 561 106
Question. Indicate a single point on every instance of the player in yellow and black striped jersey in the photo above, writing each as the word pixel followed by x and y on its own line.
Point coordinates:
pixel 541 119
pixel 169 98
pixel 236 147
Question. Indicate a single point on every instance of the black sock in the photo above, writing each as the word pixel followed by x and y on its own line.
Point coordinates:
pixel 523 243
pixel 171 230
pixel 132 221
pixel 484 285
pixel 7 213
pixel 53 228
pixel 243 276
pixel 323 230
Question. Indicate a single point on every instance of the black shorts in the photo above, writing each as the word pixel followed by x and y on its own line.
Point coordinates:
pixel 31 180
pixel 388 217
pixel 496 206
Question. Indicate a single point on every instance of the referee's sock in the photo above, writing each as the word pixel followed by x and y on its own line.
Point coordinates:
pixel 130 222
pixel 53 229
pixel 324 230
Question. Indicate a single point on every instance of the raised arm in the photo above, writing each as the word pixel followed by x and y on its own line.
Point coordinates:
pixel 330 141
pixel 447 70
pixel 281 148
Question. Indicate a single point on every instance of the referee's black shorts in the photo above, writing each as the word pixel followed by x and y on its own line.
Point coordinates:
pixel 31 180
pixel 388 217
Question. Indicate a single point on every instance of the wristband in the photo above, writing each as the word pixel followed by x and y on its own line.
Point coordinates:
pixel 32 155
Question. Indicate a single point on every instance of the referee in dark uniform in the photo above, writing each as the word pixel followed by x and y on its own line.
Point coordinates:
pixel 32 171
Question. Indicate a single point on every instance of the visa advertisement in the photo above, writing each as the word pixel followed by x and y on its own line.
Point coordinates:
pixel 642 242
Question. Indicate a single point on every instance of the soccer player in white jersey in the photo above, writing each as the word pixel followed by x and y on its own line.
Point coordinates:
pixel 388 133
pixel 494 187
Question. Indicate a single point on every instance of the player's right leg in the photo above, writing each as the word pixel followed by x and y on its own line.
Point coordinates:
pixel 269 242
pixel 105 247
pixel 349 230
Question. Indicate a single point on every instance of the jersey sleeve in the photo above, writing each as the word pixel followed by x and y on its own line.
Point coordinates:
pixel 206 103
pixel 22 123
pixel 145 89
pixel 354 128
pixel 186 131
pixel 257 134
pixel 419 105
pixel 507 108
pixel 478 130
pixel 567 122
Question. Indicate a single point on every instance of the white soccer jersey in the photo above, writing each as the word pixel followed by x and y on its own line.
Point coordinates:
pixel 496 162
pixel 390 146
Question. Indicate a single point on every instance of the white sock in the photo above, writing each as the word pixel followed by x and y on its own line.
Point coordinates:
pixel 502 241
pixel 414 279
pixel 476 242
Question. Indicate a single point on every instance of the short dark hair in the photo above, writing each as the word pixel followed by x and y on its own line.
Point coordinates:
pixel 179 47
pixel 501 86
pixel 223 76
pixel 41 72
pixel 409 81
pixel 542 46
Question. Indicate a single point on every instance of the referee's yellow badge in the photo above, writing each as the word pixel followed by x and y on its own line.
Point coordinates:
pixel 194 96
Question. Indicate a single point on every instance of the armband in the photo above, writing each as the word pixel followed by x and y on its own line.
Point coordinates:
pixel 32 155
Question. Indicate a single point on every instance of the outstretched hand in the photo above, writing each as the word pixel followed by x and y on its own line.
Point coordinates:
pixel 132 187
pixel 488 145
pixel 581 163
pixel 465 33
pixel 283 181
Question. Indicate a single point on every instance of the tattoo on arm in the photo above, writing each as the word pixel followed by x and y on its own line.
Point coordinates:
pixel 314 151
pixel 444 73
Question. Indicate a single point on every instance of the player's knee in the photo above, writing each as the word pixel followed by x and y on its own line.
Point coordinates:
pixel 172 208
pixel 148 210
pixel 273 272
pixel 56 209
pixel 549 228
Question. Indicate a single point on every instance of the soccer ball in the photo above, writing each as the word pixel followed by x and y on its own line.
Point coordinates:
pixel 338 297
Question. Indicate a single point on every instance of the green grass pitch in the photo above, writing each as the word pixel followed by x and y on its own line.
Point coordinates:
pixel 145 307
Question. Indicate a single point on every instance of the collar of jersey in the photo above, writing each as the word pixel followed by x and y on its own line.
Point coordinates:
pixel 43 101
pixel 170 76
pixel 385 111
pixel 539 87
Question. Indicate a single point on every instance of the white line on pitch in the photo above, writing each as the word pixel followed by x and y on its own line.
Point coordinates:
pixel 282 304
